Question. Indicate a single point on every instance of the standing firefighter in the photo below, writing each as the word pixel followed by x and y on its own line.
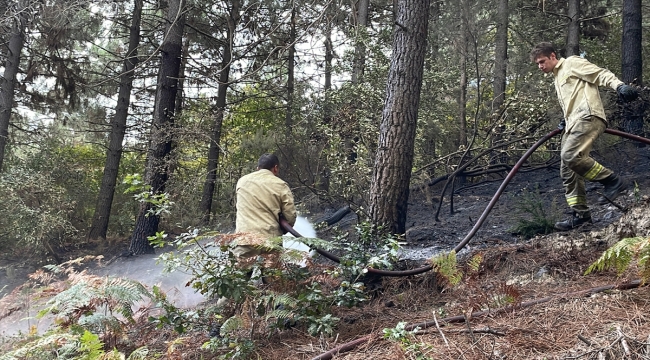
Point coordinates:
pixel 262 197
pixel 576 83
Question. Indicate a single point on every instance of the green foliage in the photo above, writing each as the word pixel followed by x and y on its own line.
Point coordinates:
pixel 232 348
pixel 446 267
pixel 34 212
pixel 94 303
pixel 367 247
pixel 160 203
pixel 475 263
pixel 181 320
pixel 297 297
pixel 534 216
pixel 90 345
pixel 60 345
pixel 406 339
pixel 619 257
pixel 399 332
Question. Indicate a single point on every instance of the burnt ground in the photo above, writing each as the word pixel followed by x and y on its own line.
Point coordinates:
pixel 540 189
pixel 569 325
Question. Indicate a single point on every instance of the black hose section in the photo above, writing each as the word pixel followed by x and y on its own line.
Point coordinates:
pixel 287 227
pixel 505 183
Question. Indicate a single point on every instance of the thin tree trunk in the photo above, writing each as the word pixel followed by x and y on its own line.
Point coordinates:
pixel 323 183
pixel 102 214
pixel 290 70
pixel 360 24
pixel 573 30
pixel 389 190
pixel 220 108
pixel 462 94
pixel 500 55
pixel 500 73
pixel 156 173
pixel 8 80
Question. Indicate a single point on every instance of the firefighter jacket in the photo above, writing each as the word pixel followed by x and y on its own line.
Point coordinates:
pixel 261 197
pixel 576 83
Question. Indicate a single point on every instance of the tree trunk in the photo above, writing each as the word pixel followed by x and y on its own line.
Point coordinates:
pixel 360 24
pixel 500 55
pixel 102 214
pixel 8 80
pixel 500 73
pixel 323 182
pixel 632 59
pixel 462 93
pixel 632 64
pixel 291 61
pixel 220 108
pixel 389 190
pixel 156 173
pixel 573 30
pixel 180 103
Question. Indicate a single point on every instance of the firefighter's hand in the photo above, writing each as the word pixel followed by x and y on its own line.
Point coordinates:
pixel 627 92
pixel 562 124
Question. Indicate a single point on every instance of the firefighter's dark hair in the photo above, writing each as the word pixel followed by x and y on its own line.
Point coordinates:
pixel 267 161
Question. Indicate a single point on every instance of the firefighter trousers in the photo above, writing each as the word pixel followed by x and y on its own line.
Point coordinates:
pixel 577 166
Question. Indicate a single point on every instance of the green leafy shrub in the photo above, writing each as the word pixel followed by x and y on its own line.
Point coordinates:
pixel 293 296
pixel 35 214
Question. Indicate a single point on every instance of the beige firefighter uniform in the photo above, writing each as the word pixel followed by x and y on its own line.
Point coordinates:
pixel 261 198
pixel 576 83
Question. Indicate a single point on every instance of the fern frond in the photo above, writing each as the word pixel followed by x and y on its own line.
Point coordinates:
pixel 618 256
pixel 280 314
pixel 446 266
pixel 284 300
pixel 231 324
pixel 475 262
pixel 643 254
pixel 140 353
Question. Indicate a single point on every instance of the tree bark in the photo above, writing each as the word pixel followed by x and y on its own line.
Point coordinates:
pixel 389 190
pixel 156 173
pixel 573 30
pixel 291 62
pixel 500 55
pixel 632 59
pixel 8 80
pixel 462 95
pixel 220 108
pixel 360 24
pixel 102 213
pixel 323 181
pixel 632 64
pixel 500 73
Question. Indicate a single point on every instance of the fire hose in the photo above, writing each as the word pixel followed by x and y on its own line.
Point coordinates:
pixel 353 344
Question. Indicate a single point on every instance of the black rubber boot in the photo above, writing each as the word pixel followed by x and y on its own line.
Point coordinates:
pixel 614 186
pixel 573 222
